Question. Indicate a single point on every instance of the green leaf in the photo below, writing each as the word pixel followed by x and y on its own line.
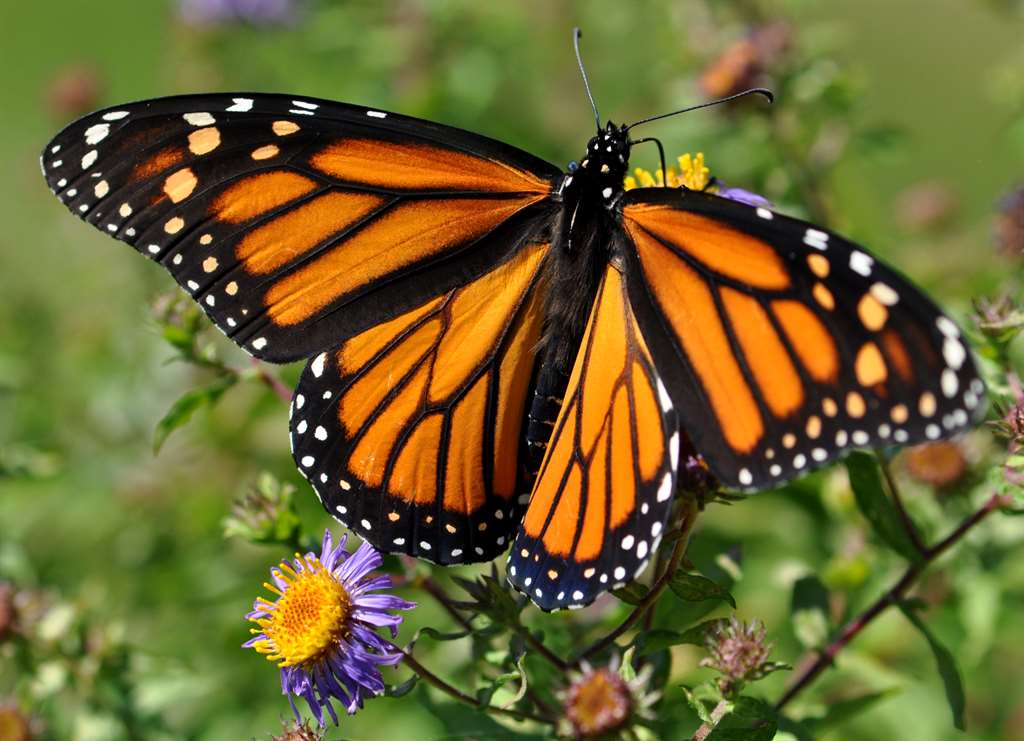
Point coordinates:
pixel 438 635
pixel 182 410
pixel 632 594
pixel 653 641
pixel 809 611
pixel 841 711
pixel 750 720
pixel 945 662
pixel 697 588
pixel 400 690
pixel 626 669
pixel 875 505
pixel 698 699
pixel 491 597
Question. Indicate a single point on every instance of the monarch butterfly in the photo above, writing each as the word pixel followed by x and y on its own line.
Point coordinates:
pixel 501 353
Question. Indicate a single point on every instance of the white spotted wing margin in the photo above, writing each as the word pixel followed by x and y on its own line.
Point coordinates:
pixel 600 503
pixel 842 352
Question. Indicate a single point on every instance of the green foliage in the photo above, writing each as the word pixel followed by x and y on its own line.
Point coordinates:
pixel 947 667
pixel 129 604
pixel 190 402
pixel 875 505
pixel 698 588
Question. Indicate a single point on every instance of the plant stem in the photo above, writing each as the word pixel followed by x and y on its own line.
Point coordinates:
pixel 437 592
pixel 678 551
pixel 716 716
pixel 435 681
pixel 531 640
pixel 276 385
pixel 905 519
pixel 893 596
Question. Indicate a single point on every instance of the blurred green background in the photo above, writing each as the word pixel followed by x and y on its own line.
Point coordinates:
pixel 901 123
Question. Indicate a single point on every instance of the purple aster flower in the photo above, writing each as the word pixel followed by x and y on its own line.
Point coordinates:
pixel 258 12
pixel 320 630
pixel 744 196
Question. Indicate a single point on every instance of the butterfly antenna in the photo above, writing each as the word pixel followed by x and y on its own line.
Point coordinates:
pixel 576 35
pixel 753 91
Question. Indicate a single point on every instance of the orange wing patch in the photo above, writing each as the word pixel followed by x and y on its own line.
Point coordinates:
pixel 410 233
pixel 604 488
pixel 724 250
pixel 259 194
pixel 407 166
pixel 423 409
pixel 686 299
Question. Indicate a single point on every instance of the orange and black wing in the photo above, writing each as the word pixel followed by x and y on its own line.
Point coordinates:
pixel 410 431
pixel 784 345
pixel 297 223
pixel 604 491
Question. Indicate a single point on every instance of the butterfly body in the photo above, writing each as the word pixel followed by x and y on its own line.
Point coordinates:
pixel 501 353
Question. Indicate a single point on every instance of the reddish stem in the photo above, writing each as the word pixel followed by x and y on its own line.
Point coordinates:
pixel 273 382
pixel 893 596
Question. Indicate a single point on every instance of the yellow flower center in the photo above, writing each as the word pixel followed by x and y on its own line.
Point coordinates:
pixel 692 173
pixel 309 618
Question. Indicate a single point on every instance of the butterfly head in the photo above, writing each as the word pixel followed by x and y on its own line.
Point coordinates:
pixel 605 162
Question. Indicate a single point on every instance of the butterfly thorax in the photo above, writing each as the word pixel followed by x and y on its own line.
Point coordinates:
pixel 580 253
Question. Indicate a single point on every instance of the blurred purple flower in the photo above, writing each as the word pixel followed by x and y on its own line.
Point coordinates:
pixel 1010 224
pixel 320 630
pixel 744 196
pixel 257 12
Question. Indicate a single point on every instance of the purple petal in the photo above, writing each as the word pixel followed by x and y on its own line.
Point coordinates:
pixel 359 564
pixel 744 196
pixel 383 602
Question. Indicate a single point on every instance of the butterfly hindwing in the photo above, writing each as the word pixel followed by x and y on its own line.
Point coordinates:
pixel 604 491
pixel 409 431
pixel 784 345
pixel 296 223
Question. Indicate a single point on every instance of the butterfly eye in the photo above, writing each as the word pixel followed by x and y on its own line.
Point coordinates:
pixel 573 166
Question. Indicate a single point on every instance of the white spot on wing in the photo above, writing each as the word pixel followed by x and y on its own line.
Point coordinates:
pixel 954 353
pixel 241 105
pixel 317 366
pixel 376 114
pixel 949 382
pixel 199 119
pixel 764 213
pixel 947 327
pixel 89 158
pixel 114 115
pixel 663 397
pixel 861 263
pixel 96 133
pixel 304 104
pixel 816 238
pixel 665 489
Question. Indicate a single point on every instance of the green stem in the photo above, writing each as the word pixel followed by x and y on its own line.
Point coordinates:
pixel 435 681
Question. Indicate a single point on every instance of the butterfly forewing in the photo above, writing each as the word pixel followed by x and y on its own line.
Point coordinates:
pixel 799 343
pixel 600 502
pixel 297 223
pixel 409 431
